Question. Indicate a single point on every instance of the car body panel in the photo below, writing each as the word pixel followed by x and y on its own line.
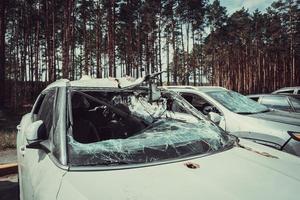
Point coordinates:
pixel 279 116
pixel 288 98
pixel 265 127
pixel 21 140
pixel 243 174
pixel 36 170
pixel 245 171
pixel 258 128
pixel 292 146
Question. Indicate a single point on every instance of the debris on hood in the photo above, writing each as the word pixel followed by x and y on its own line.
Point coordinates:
pixel 258 152
pixel 192 165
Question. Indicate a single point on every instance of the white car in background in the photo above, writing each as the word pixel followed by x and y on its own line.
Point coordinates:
pixel 95 139
pixel 244 117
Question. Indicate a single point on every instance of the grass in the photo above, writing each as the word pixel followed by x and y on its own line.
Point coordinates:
pixel 8 135
pixel 7 140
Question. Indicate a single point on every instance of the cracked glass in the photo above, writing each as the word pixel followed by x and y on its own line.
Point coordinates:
pixel 127 129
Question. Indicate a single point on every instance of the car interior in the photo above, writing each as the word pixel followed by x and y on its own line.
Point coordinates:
pixel 199 103
pixel 99 116
pixel 97 120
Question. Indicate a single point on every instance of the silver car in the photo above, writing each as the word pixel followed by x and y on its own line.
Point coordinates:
pixel 244 117
pixel 278 101
pixel 287 90
pixel 96 139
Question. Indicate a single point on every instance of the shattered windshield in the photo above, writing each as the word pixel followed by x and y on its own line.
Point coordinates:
pixel 237 103
pixel 123 127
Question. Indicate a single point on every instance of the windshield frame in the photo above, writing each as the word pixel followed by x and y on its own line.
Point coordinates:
pixel 231 144
pixel 195 112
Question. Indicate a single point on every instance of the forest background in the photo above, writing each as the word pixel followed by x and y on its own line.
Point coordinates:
pixel 196 41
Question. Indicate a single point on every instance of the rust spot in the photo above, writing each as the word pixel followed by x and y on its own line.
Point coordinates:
pixel 192 165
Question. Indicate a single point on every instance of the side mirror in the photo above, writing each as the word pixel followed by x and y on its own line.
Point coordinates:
pixel 215 117
pixel 35 133
pixel 207 109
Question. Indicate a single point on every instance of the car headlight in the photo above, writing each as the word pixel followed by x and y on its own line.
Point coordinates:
pixel 294 135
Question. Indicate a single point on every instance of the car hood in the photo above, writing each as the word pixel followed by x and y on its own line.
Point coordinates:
pixel 248 171
pixel 279 116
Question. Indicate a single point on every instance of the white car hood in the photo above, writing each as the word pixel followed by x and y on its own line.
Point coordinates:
pixel 249 172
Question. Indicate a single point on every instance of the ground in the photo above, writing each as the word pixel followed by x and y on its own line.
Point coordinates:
pixel 9 187
pixel 8 122
pixel 8 156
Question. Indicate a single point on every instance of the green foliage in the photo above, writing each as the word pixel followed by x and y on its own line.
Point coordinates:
pixel 51 39
pixel 255 52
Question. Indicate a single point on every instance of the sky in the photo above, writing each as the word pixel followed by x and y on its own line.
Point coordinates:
pixel 233 5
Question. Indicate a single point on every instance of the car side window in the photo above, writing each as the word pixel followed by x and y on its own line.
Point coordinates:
pixel 199 103
pixel 255 98
pixel 298 91
pixel 276 102
pixel 45 112
pixel 296 104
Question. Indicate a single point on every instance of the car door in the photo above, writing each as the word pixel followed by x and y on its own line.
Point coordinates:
pixel 35 161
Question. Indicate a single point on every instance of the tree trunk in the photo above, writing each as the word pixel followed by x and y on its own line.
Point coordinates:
pixel 175 56
pixel 2 52
pixel 111 39
pixel 98 44
pixel 159 49
pixel 66 38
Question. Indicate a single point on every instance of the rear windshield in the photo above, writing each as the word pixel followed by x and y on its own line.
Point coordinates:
pixel 123 127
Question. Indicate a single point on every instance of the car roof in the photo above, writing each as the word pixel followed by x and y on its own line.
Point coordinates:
pixel 264 95
pixel 200 88
pixel 256 95
pixel 287 88
pixel 294 96
pixel 88 82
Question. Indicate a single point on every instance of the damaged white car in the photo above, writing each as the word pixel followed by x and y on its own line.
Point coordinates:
pixel 113 139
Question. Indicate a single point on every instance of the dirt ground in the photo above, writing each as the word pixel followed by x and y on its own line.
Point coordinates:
pixel 8 156
pixel 9 187
pixel 8 131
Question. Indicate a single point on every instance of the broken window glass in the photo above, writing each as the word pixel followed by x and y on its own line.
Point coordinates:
pixel 123 127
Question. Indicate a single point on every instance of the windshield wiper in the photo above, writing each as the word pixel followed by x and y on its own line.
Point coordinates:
pixel 245 113
pixel 250 113
pixel 119 162
pixel 264 111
